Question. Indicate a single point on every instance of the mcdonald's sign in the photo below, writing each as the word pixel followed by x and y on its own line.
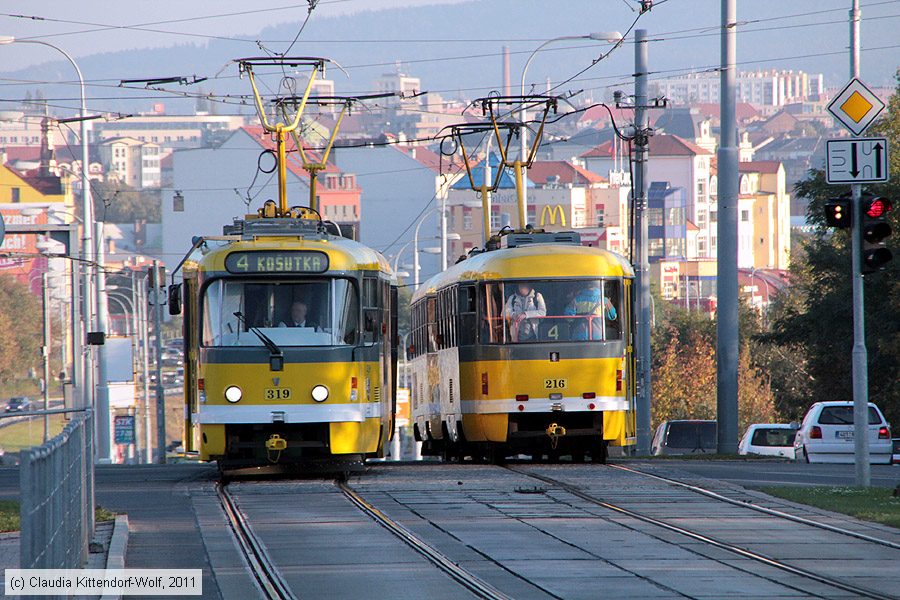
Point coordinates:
pixel 553 211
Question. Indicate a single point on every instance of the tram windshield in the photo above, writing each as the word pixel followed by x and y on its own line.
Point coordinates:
pixel 320 312
pixel 534 311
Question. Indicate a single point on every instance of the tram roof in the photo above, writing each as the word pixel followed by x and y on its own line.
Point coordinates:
pixel 343 254
pixel 532 261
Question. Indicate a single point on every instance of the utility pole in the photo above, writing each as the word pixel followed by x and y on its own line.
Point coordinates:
pixel 727 253
pixel 859 355
pixel 104 443
pixel 140 304
pixel 45 349
pixel 155 288
pixel 642 275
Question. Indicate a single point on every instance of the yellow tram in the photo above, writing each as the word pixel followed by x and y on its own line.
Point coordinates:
pixel 289 353
pixel 525 349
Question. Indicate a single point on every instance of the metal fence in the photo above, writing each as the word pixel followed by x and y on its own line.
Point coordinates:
pixel 56 482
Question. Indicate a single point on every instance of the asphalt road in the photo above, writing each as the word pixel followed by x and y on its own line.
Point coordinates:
pixel 760 473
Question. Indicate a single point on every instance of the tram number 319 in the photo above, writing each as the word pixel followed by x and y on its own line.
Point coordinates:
pixel 278 394
pixel 554 384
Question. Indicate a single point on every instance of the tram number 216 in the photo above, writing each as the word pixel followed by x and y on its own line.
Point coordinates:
pixel 554 384
pixel 278 394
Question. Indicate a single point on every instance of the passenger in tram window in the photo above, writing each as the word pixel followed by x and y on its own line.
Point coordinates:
pixel 590 302
pixel 522 309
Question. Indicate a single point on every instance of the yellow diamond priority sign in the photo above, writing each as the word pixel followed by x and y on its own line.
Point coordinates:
pixel 856 106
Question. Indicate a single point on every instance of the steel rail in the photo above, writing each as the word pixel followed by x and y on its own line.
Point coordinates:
pixel 468 580
pixel 742 552
pixel 769 511
pixel 267 576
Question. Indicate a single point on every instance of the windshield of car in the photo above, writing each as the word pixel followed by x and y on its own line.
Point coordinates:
pixel 693 435
pixel 533 311
pixel 843 415
pixel 320 312
pixel 773 437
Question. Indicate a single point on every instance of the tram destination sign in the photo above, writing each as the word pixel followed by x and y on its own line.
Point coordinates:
pixel 276 261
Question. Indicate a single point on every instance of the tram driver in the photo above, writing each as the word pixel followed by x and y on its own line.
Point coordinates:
pixel 522 308
pixel 298 317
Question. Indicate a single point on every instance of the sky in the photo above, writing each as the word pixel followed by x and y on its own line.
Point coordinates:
pixel 460 53
pixel 95 39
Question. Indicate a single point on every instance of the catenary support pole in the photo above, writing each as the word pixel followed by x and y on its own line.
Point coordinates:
pixel 155 289
pixel 45 350
pixel 727 286
pixel 859 354
pixel 642 296
pixel 103 422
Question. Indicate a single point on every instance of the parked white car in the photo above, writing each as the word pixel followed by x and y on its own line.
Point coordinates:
pixel 826 434
pixel 769 439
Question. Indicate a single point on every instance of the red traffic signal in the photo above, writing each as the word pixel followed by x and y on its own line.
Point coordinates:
pixel 838 213
pixel 878 207
pixel 874 230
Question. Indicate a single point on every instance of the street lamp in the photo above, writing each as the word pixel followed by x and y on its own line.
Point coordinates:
pixel 600 36
pixel 87 242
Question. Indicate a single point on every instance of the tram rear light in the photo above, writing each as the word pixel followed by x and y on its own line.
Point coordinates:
pixel 589 395
pixel 884 433
pixel 353 384
pixel 815 433
pixel 484 384
pixel 201 384
pixel 521 397
pixel 618 380
pixel 521 407
pixel 591 406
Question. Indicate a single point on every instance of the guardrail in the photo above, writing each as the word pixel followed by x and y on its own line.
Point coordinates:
pixel 57 502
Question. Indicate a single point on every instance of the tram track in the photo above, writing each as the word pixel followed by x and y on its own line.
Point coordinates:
pixel 269 580
pixel 762 509
pixel 705 539
pixel 468 580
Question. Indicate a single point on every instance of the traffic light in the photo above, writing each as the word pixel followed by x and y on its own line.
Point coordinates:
pixel 875 229
pixel 838 213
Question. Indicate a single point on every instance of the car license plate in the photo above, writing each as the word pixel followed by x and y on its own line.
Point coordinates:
pixel 843 435
pixel 554 384
pixel 278 393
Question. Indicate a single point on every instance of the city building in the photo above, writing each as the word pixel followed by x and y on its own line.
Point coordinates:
pixel 682 164
pixel 560 196
pixel 764 224
pixel 169 131
pixel 131 161
pixel 760 88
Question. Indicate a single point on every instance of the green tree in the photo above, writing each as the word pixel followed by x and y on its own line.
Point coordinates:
pixel 814 322
pixel 116 202
pixel 20 329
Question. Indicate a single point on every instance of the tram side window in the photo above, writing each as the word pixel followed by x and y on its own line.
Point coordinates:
pixel 431 323
pixel 612 291
pixel 371 317
pixel 466 319
pixel 493 325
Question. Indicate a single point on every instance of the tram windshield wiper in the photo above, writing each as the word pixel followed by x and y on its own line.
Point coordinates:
pixel 276 356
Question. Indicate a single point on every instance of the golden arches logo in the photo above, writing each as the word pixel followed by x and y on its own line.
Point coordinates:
pixel 553 211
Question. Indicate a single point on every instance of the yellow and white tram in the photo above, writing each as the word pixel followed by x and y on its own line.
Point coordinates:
pixel 288 345
pixel 525 349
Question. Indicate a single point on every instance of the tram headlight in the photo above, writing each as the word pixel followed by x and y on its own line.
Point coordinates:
pixel 233 394
pixel 320 393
